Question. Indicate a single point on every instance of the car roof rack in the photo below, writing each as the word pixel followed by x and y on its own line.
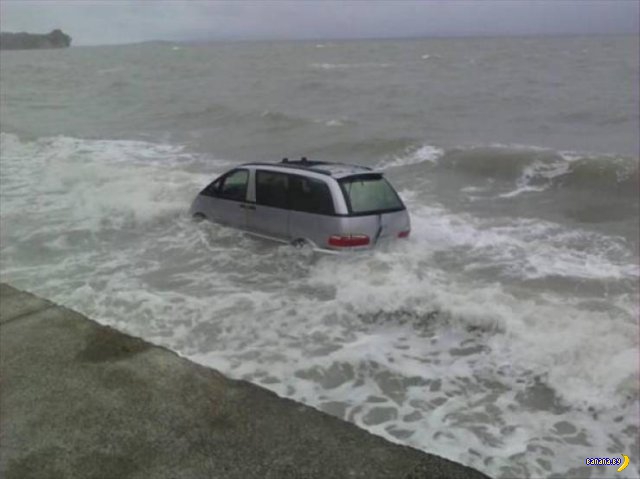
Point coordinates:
pixel 323 167
pixel 302 162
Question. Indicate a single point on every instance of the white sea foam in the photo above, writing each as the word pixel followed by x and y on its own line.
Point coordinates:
pixel 539 173
pixel 438 342
pixel 426 153
pixel 97 183
pixel 344 66
pixel 529 248
pixel 334 122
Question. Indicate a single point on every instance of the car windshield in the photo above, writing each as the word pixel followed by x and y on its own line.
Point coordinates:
pixel 370 193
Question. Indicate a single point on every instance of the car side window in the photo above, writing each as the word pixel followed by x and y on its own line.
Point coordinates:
pixel 310 195
pixel 234 186
pixel 212 188
pixel 271 188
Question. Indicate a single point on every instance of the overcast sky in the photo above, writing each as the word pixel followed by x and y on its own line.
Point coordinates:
pixel 92 22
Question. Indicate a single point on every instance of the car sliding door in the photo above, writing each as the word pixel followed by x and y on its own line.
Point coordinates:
pixel 312 214
pixel 271 214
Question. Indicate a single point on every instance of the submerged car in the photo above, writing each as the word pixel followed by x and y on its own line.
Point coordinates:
pixel 329 206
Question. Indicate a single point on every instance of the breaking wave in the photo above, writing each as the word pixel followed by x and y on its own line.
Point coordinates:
pixel 537 169
pixel 531 169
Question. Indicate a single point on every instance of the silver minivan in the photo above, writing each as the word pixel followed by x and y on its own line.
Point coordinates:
pixel 329 206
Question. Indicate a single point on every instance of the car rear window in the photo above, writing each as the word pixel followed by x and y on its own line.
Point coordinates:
pixel 370 194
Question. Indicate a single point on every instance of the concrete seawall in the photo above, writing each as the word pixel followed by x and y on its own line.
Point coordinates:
pixel 81 400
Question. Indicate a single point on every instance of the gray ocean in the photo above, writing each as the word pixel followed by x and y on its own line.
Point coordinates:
pixel 504 334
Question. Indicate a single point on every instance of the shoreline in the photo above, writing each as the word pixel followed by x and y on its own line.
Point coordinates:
pixel 83 400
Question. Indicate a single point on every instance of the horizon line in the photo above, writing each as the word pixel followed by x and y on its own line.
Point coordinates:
pixel 206 41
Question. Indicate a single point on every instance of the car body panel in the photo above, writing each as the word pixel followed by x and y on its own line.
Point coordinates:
pixel 269 221
pixel 226 212
pixel 287 223
pixel 313 228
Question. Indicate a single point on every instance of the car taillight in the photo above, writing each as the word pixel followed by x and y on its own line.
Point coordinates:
pixel 348 241
pixel 404 234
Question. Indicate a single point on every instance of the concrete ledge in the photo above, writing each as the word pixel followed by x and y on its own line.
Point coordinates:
pixel 81 400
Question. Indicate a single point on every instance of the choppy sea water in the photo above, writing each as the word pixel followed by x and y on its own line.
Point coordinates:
pixel 503 334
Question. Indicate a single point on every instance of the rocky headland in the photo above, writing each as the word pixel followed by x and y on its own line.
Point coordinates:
pixel 29 41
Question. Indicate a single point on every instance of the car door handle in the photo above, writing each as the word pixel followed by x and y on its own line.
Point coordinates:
pixel 248 207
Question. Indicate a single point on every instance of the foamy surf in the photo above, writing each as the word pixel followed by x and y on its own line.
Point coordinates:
pixel 505 343
pixel 425 153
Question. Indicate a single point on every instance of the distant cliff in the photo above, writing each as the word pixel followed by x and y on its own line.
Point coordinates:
pixel 29 41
